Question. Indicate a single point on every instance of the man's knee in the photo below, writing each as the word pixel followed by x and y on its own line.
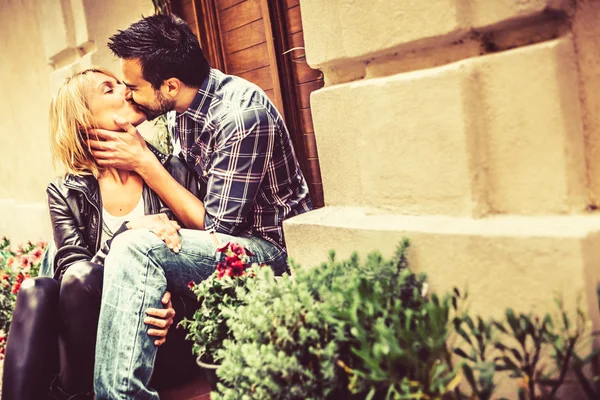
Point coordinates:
pixel 132 241
pixel 81 279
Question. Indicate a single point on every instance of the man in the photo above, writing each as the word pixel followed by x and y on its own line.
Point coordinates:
pixel 236 141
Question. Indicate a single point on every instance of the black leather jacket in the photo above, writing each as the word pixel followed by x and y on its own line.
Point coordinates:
pixel 75 211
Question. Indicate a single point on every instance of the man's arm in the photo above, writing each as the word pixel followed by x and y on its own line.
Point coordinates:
pixel 129 151
pixel 238 167
pixel 187 207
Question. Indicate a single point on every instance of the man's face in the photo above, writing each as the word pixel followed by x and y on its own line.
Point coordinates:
pixel 142 95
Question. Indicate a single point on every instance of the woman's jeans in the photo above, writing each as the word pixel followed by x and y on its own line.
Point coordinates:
pixel 138 270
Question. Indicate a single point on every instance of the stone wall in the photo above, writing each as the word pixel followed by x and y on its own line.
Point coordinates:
pixel 43 41
pixel 471 127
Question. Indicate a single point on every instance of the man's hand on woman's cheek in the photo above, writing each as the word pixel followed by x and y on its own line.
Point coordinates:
pixel 124 150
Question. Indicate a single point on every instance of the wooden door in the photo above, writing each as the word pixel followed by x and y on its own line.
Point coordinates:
pixel 262 41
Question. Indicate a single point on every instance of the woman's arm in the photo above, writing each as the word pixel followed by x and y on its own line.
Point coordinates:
pixel 70 243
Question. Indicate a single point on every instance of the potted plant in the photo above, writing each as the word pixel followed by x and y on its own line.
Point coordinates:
pixel 208 329
pixel 16 265
pixel 310 335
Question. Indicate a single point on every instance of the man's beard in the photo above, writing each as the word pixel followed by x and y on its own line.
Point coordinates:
pixel 164 105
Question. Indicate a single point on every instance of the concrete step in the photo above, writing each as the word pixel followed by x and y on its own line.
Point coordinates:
pixel 522 262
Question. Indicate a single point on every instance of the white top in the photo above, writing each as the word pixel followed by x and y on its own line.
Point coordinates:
pixel 110 223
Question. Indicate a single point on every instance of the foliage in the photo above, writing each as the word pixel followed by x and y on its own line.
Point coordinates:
pixel 281 349
pixel 345 328
pixel 208 328
pixel 367 328
pixel 536 352
pixel 162 7
pixel 16 265
pixel 396 336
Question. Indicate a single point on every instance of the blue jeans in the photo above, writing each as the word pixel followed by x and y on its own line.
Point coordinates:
pixel 137 271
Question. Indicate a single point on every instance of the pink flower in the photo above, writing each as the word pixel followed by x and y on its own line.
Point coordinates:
pixel 36 255
pixel 191 284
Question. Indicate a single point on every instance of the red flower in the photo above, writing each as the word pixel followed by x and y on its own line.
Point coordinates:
pixel 191 284
pixel 234 263
pixel 231 259
pixel 224 248
pixel 237 249
pixel 16 287
pixel 5 277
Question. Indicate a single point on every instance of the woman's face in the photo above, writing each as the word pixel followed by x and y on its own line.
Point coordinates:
pixel 106 98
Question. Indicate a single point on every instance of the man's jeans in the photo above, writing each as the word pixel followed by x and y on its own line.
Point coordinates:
pixel 137 271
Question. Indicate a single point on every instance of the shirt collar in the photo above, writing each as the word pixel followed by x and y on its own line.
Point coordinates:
pixel 199 108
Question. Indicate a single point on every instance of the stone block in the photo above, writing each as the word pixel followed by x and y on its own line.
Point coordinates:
pixel 399 142
pixel 54 28
pixel 586 31
pixel 510 261
pixel 530 124
pixel 21 221
pixel 501 13
pixel 337 30
pixel 80 28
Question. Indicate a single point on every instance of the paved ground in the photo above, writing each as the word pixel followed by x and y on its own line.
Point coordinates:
pixel 196 390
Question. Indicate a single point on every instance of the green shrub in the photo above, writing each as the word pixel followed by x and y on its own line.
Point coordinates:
pixel 357 329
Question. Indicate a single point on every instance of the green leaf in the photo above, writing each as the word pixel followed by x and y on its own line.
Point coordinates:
pixel 470 378
pixel 462 354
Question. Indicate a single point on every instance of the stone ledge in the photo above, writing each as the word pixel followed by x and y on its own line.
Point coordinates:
pixel 506 261
pixel 24 221
pixel 344 36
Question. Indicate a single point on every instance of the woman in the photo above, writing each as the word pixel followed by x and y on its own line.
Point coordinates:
pixel 55 320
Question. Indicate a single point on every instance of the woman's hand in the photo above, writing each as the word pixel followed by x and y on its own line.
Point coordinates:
pixel 162 227
pixel 161 318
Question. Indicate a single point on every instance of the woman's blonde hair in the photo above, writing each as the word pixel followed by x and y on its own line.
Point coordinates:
pixel 70 120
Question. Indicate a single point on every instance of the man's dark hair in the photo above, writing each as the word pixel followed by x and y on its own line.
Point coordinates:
pixel 165 47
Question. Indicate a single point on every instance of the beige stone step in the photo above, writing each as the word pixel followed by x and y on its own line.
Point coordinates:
pixel 505 261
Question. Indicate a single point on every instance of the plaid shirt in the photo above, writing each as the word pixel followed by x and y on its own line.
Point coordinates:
pixel 238 144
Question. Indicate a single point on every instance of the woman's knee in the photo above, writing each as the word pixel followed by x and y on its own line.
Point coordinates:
pixel 81 279
pixel 37 292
